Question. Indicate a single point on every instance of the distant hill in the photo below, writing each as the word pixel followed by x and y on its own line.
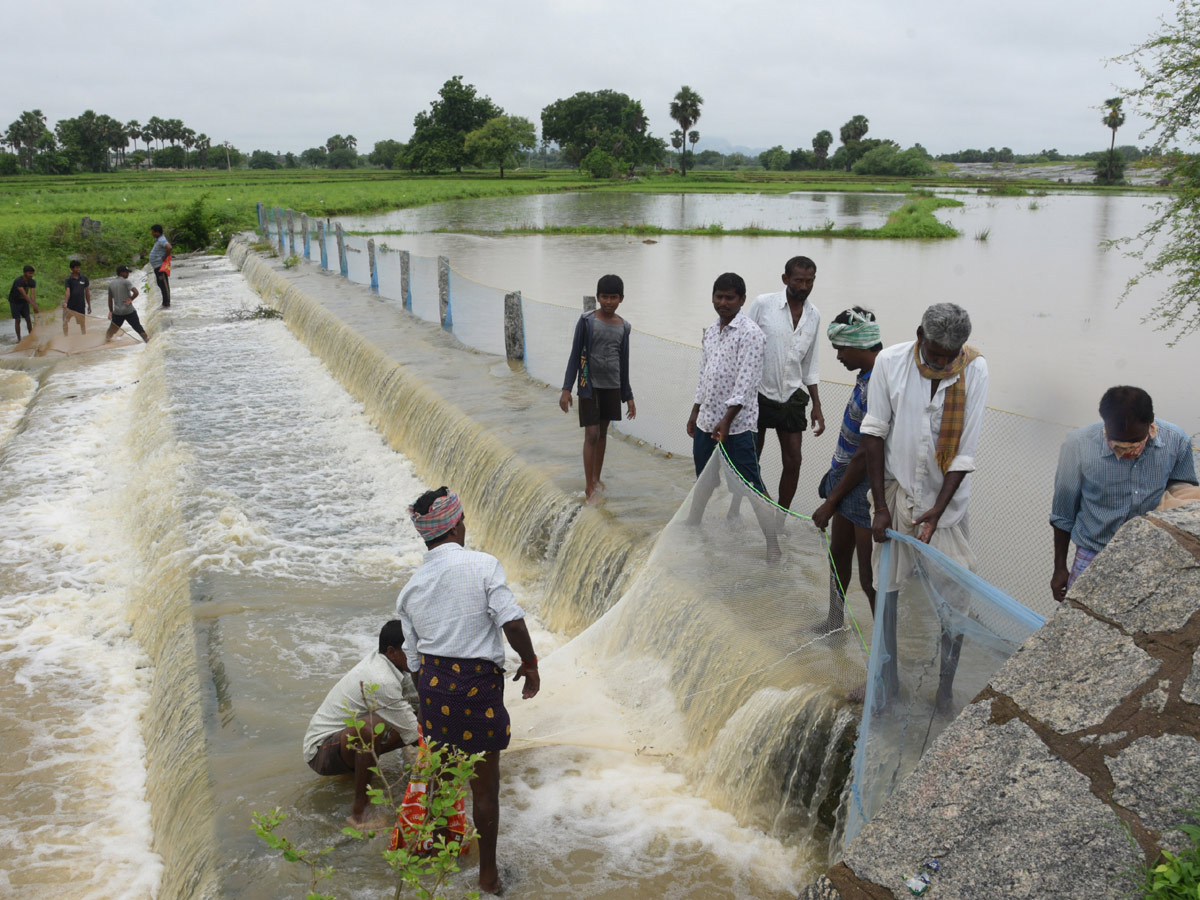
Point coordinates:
pixel 725 147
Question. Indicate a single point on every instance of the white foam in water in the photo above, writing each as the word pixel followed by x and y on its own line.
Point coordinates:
pixel 289 478
pixel 76 820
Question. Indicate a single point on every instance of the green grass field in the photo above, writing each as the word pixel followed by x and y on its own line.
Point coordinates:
pixel 40 217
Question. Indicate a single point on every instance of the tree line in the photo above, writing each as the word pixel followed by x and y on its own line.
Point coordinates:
pixel 97 142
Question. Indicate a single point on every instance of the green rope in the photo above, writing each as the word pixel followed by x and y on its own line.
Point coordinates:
pixel 828 549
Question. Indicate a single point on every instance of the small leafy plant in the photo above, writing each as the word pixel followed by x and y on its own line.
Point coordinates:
pixel 1177 877
pixel 291 262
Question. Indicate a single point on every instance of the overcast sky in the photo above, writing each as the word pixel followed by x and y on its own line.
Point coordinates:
pixel 1028 74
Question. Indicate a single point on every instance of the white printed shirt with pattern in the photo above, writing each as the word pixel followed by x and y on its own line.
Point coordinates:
pixel 731 365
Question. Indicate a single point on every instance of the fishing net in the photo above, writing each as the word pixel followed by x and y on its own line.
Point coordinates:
pixel 938 640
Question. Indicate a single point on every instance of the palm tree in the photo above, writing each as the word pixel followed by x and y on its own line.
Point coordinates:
pixel 685 109
pixel 677 143
pixel 24 134
pixel 187 137
pixel 133 128
pixel 1114 118
pixel 202 145
pixel 820 145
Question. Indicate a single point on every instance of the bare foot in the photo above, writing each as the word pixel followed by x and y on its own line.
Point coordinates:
pixel 827 627
pixel 490 883
pixel 368 819
pixel 601 486
pixel 594 499
pixel 774 554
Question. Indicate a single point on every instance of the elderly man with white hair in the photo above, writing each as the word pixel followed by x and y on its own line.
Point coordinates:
pixel 924 413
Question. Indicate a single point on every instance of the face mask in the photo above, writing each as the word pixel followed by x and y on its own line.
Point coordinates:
pixel 1130 449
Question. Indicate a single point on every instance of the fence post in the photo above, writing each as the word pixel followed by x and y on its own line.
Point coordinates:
pixel 589 303
pixel 371 261
pixel 514 326
pixel 304 234
pixel 341 242
pixel 405 282
pixel 262 217
pixel 291 220
pixel 279 225
pixel 444 292
pixel 324 247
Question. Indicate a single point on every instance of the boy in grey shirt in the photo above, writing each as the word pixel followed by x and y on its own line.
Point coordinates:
pixel 599 362
pixel 121 294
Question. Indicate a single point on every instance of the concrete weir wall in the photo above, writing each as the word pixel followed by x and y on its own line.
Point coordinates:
pixel 1072 766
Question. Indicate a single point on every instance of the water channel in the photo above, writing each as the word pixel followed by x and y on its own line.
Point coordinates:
pixel 205 532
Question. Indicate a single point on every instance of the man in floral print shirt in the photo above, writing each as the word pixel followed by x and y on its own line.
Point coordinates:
pixel 726 407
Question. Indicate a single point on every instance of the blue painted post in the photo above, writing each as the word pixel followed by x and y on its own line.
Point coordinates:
pixel 291 220
pixel 343 264
pixel 324 249
pixel 305 235
pixel 279 224
pixel 371 261
pixel 262 217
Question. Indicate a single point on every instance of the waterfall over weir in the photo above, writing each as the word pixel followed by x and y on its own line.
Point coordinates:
pixel 708 658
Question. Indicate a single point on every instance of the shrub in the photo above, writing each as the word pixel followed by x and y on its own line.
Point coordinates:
pixel 599 164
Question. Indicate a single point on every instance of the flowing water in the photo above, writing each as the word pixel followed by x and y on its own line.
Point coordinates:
pixel 207 531
pixel 1041 289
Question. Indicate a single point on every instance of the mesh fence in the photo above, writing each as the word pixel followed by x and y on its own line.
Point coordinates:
pixel 1011 491
pixel 477 314
pixel 358 266
pixel 938 639
pixel 423 288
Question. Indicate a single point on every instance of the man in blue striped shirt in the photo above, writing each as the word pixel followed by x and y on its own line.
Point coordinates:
pixel 854 334
pixel 1110 472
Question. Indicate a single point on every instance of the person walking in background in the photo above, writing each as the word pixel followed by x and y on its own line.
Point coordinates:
pixel 121 294
pixel 454 610
pixel 599 365
pixel 925 406
pixel 333 748
pixel 77 301
pixel 1110 472
pixel 854 334
pixel 160 262
pixel 792 327
pixel 22 298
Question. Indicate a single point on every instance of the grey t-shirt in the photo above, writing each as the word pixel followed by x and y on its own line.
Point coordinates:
pixel 121 291
pixel 604 361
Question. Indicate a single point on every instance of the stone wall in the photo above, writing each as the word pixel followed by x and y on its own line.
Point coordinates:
pixel 1071 767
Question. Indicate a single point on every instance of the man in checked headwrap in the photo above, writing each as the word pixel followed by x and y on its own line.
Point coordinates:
pixel 854 334
pixel 925 410
pixel 453 610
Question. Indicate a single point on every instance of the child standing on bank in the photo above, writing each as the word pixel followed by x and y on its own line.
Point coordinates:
pixel 599 365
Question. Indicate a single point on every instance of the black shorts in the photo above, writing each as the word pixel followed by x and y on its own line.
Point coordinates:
pixel 131 318
pixel 19 308
pixel 603 406
pixel 328 760
pixel 787 416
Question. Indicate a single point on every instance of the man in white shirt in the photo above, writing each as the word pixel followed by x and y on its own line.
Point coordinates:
pixel 925 409
pixel 333 748
pixel 454 609
pixel 792 326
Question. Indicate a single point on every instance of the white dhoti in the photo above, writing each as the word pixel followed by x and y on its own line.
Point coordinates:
pixel 950 540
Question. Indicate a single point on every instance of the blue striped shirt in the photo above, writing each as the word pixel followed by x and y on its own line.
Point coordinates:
pixel 1095 493
pixel 856 408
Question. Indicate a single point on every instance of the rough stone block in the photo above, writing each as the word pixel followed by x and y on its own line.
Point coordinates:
pixel 1008 818
pixel 1154 778
pixel 1191 685
pixel 1185 518
pixel 1143 580
pixel 1074 671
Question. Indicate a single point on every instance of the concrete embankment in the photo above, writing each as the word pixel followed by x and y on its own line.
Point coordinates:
pixel 495 435
pixel 1074 764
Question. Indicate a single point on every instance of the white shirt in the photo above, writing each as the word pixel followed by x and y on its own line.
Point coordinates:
pixel 900 411
pixel 791 359
pixel 731 362
pixel 393 702
pixel 454 605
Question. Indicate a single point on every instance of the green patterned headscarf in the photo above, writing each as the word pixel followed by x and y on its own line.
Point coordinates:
pixel 861 332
